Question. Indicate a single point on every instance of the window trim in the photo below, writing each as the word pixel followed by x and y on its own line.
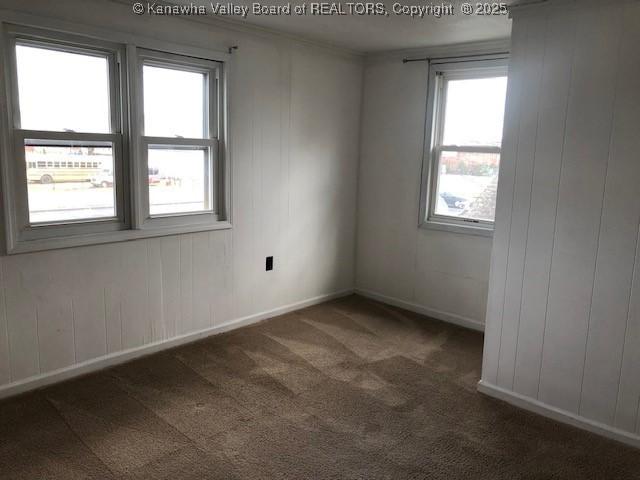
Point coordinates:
pixel 471 67
pixel 46 27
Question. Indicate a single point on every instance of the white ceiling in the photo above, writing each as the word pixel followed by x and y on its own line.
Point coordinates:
pixel 367 33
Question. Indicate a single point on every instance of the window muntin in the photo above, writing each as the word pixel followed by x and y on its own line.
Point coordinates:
pixel 181 153
pixel 467 103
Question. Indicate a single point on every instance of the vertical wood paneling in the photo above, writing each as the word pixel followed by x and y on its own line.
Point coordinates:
pixel 587 139
pixel 556 78
pixel 5 359
pixel 92 274
pixel 186 285
pixel 134 295
pixel 113 318
pixel 156 289
pixel 56 332
pixel 201 278
pixel 260 163
pixel 244 206
pixel 617 240
pixel 393 120
pixel 311 173
pixel 578 345
pixel 316 200
pixel 284 259
pixel 22 322
pixel 504 203
pixel 627 412
pixel 534 52
pixel 221 300
pixel 627 148
pixel 49 278
pixel 268 177
pixel 109 266
pixel 89 323
pixel 170 271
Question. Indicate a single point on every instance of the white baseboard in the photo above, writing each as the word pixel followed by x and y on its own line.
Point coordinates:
pixel 429 312
pixel 559 415
pixel 105 361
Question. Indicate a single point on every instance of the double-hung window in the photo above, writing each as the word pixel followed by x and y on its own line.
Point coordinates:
pixel 108 141
pixel 67 124
pixel 463 145
pixel 180 128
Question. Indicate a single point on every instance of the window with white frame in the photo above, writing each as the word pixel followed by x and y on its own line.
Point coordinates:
pixel 462 159
pixel 77 171
pixel 67 128
pixel 180 131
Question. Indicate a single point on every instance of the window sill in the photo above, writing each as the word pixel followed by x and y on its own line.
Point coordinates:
pixel 457 228
pixel 110 237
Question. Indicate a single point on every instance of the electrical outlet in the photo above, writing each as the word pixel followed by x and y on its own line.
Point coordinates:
pixel 269 264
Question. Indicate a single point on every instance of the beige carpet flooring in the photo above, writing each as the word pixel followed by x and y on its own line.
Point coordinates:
pixel 350 389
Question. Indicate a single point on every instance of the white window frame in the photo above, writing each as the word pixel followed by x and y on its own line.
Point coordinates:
pixel 16 190
pixel 132 221
pixel 440 72
pixel 214 125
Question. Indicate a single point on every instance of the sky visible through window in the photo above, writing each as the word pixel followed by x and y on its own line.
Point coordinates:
pixel 474 111
pixel 173 102
pixel 62 91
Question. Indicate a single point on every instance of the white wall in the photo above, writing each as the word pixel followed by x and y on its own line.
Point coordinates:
pixel 439 273
pixel 294 126
pixel 563 319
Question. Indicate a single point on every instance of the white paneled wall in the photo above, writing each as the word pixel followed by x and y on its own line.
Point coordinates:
pixel 439 273
pixel 294 126
pixel 563 323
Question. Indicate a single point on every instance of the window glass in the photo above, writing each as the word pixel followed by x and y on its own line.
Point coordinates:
pixel 58 194
pixel 174 103
pixel 467 185
pixel 474 111
pixel 178 179
pixel 62 91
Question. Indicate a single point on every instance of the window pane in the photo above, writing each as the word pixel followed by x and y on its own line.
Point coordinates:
pixel 474 111
pixel 64 185
pixel 62 91
pixel 173 103
pixel 178 180
pixel 467 185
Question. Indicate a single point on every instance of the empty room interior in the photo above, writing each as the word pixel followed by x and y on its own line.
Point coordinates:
pixel 319 240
